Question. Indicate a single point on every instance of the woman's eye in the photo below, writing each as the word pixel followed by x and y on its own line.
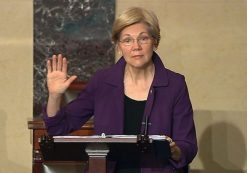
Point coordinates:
pixel 144 38
pixel 127 40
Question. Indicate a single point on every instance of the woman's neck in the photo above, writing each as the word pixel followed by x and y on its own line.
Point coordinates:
pixel 139 75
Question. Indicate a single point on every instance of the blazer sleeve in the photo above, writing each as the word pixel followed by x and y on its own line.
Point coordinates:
pixel 183 128
pixel 72 116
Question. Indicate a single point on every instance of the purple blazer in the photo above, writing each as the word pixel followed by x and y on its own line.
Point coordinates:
pixel 168 108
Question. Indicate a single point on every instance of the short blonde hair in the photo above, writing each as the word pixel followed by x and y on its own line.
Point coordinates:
pixel 135 15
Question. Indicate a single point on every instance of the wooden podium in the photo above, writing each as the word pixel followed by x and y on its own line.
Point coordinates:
pixel 82 148
pixel 98 150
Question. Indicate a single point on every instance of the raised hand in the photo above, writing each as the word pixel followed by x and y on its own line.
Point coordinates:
pixel 57 78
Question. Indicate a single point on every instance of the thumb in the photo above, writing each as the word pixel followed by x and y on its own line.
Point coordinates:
pixel 70 79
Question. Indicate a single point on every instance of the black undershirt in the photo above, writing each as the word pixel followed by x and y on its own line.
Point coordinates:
pixel 133 114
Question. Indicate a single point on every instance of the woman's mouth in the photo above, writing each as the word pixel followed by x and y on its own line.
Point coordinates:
pixel 137 56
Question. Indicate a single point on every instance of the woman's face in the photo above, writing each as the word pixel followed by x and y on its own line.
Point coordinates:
pixel 136 45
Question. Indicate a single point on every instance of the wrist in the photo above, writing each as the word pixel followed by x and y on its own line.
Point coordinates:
pixel 55 96
pixel 53 105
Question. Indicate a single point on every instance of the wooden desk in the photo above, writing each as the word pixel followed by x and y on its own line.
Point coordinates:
pixel 38 129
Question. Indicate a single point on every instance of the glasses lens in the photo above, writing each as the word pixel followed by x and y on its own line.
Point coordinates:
pixel 140 40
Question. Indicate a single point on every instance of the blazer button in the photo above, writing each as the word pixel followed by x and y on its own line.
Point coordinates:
pixel 151 91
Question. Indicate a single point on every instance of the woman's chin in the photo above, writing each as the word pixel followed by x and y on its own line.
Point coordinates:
pixel 139 65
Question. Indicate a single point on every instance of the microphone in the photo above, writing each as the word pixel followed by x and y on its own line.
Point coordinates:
pixel 143 141
pixel 146 126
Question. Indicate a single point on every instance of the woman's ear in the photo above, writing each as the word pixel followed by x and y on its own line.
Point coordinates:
pixel 155 45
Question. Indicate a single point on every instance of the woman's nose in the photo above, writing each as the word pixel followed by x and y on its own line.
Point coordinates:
pixel 136 44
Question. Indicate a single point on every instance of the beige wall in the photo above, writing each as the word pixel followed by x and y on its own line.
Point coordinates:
pixel 205 40
pixel 15 85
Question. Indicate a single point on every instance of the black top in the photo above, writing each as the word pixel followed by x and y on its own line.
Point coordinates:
pixel 133 114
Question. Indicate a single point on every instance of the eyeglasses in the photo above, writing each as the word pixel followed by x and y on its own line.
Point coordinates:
pixel 129 41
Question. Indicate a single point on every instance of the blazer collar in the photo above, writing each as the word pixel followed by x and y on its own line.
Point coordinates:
pixel 115 74
pixel 161 73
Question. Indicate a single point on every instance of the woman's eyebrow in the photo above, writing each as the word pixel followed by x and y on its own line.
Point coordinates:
pixel 135 35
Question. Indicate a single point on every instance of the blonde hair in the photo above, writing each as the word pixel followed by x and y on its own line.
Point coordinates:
pixel 136 15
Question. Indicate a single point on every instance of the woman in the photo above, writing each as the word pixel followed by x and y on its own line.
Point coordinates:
pixel 121 97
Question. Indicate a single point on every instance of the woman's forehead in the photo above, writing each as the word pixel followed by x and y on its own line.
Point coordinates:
pixel 135 30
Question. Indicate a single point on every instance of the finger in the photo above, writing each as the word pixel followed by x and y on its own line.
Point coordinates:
pixel 168 139
pixel 71 79
pixel 64 65
pixel 48 66
pixel 54 63
pixel 59 62
pixel 172 144
pixel 172 147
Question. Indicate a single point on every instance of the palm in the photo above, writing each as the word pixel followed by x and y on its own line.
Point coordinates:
pixel 57 81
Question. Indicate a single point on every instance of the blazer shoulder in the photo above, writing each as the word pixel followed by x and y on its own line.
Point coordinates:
pixel 175 75
pixel 103 73
pixel 106 75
